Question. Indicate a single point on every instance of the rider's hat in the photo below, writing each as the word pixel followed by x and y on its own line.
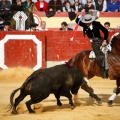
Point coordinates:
pixel 88 18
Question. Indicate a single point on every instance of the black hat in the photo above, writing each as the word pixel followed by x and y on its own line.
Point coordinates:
pixel 6 23
pixel 64 23
pixel 33 25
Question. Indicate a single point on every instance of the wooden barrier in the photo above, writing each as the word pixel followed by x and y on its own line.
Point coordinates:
pixel 34 49
pixel 22 49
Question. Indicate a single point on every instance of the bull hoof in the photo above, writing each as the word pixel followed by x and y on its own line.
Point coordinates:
pixel 59 104
pixel 32 111
pixel 110 102
pixel 14 112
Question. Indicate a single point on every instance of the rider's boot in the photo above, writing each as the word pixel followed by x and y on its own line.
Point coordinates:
pixel 104 73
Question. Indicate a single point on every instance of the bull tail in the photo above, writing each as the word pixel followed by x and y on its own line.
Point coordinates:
pixel 11 105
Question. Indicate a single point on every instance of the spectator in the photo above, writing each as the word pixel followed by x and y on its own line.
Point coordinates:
pixel 67 7
pixel 17 6
pixel 71 1
pixel 101 5
pixel 5 10
pixel 85 2
pixel 42 26
pixel 107 26
pixel 64 27
pixel 22 21
pixel 77 7
pixel 28 4
pixel 47 1
pixel 113 6
pixel 6 26
pixel 55 5
pixel 33 27
pixel 89 7
pixel 1 24
pixel 41 5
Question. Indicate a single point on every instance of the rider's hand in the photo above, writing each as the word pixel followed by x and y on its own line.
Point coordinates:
pixel 104 43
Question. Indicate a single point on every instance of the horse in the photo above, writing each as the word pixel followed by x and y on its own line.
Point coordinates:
pixel 90 68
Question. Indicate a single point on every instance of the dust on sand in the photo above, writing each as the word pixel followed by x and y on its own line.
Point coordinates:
pixel 85 108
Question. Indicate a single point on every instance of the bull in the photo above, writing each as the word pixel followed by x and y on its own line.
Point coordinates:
pixel 61 80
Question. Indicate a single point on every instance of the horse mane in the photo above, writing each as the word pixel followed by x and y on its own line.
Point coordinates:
pixel 113 38
pixel 73 59
pixel 112 41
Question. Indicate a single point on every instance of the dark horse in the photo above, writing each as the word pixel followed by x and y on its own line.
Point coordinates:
pixel 90 67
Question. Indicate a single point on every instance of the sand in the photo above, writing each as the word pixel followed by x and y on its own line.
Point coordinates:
pixel 86 108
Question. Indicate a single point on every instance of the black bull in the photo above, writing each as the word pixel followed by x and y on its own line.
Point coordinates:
pixel 61 80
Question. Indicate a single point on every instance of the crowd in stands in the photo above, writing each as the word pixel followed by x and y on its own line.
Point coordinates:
pixel 7 7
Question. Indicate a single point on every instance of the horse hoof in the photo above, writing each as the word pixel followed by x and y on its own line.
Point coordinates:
pixel 59 104
pixel 72 107
pixel 110 103
pixel 99 102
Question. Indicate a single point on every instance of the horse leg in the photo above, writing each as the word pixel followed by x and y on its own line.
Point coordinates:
pixel 87 81
pixel 88 89
pixel 57 95
pixel 116 92
pixel 17 101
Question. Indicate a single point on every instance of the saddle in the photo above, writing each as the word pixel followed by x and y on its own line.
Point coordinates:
pixel 101 62
pixel 92 53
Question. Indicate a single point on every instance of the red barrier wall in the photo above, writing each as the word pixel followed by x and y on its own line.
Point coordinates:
pixel 23 48
pixel 58 48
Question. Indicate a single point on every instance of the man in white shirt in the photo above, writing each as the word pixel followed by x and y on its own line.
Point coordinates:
pixel 42 26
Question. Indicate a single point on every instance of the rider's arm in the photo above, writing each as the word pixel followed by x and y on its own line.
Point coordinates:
pixel 104 30
pixel 79 18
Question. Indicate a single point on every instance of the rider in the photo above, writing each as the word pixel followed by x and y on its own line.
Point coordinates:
pixel 92 29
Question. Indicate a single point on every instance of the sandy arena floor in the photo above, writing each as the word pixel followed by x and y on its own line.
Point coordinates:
pixel 86 108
